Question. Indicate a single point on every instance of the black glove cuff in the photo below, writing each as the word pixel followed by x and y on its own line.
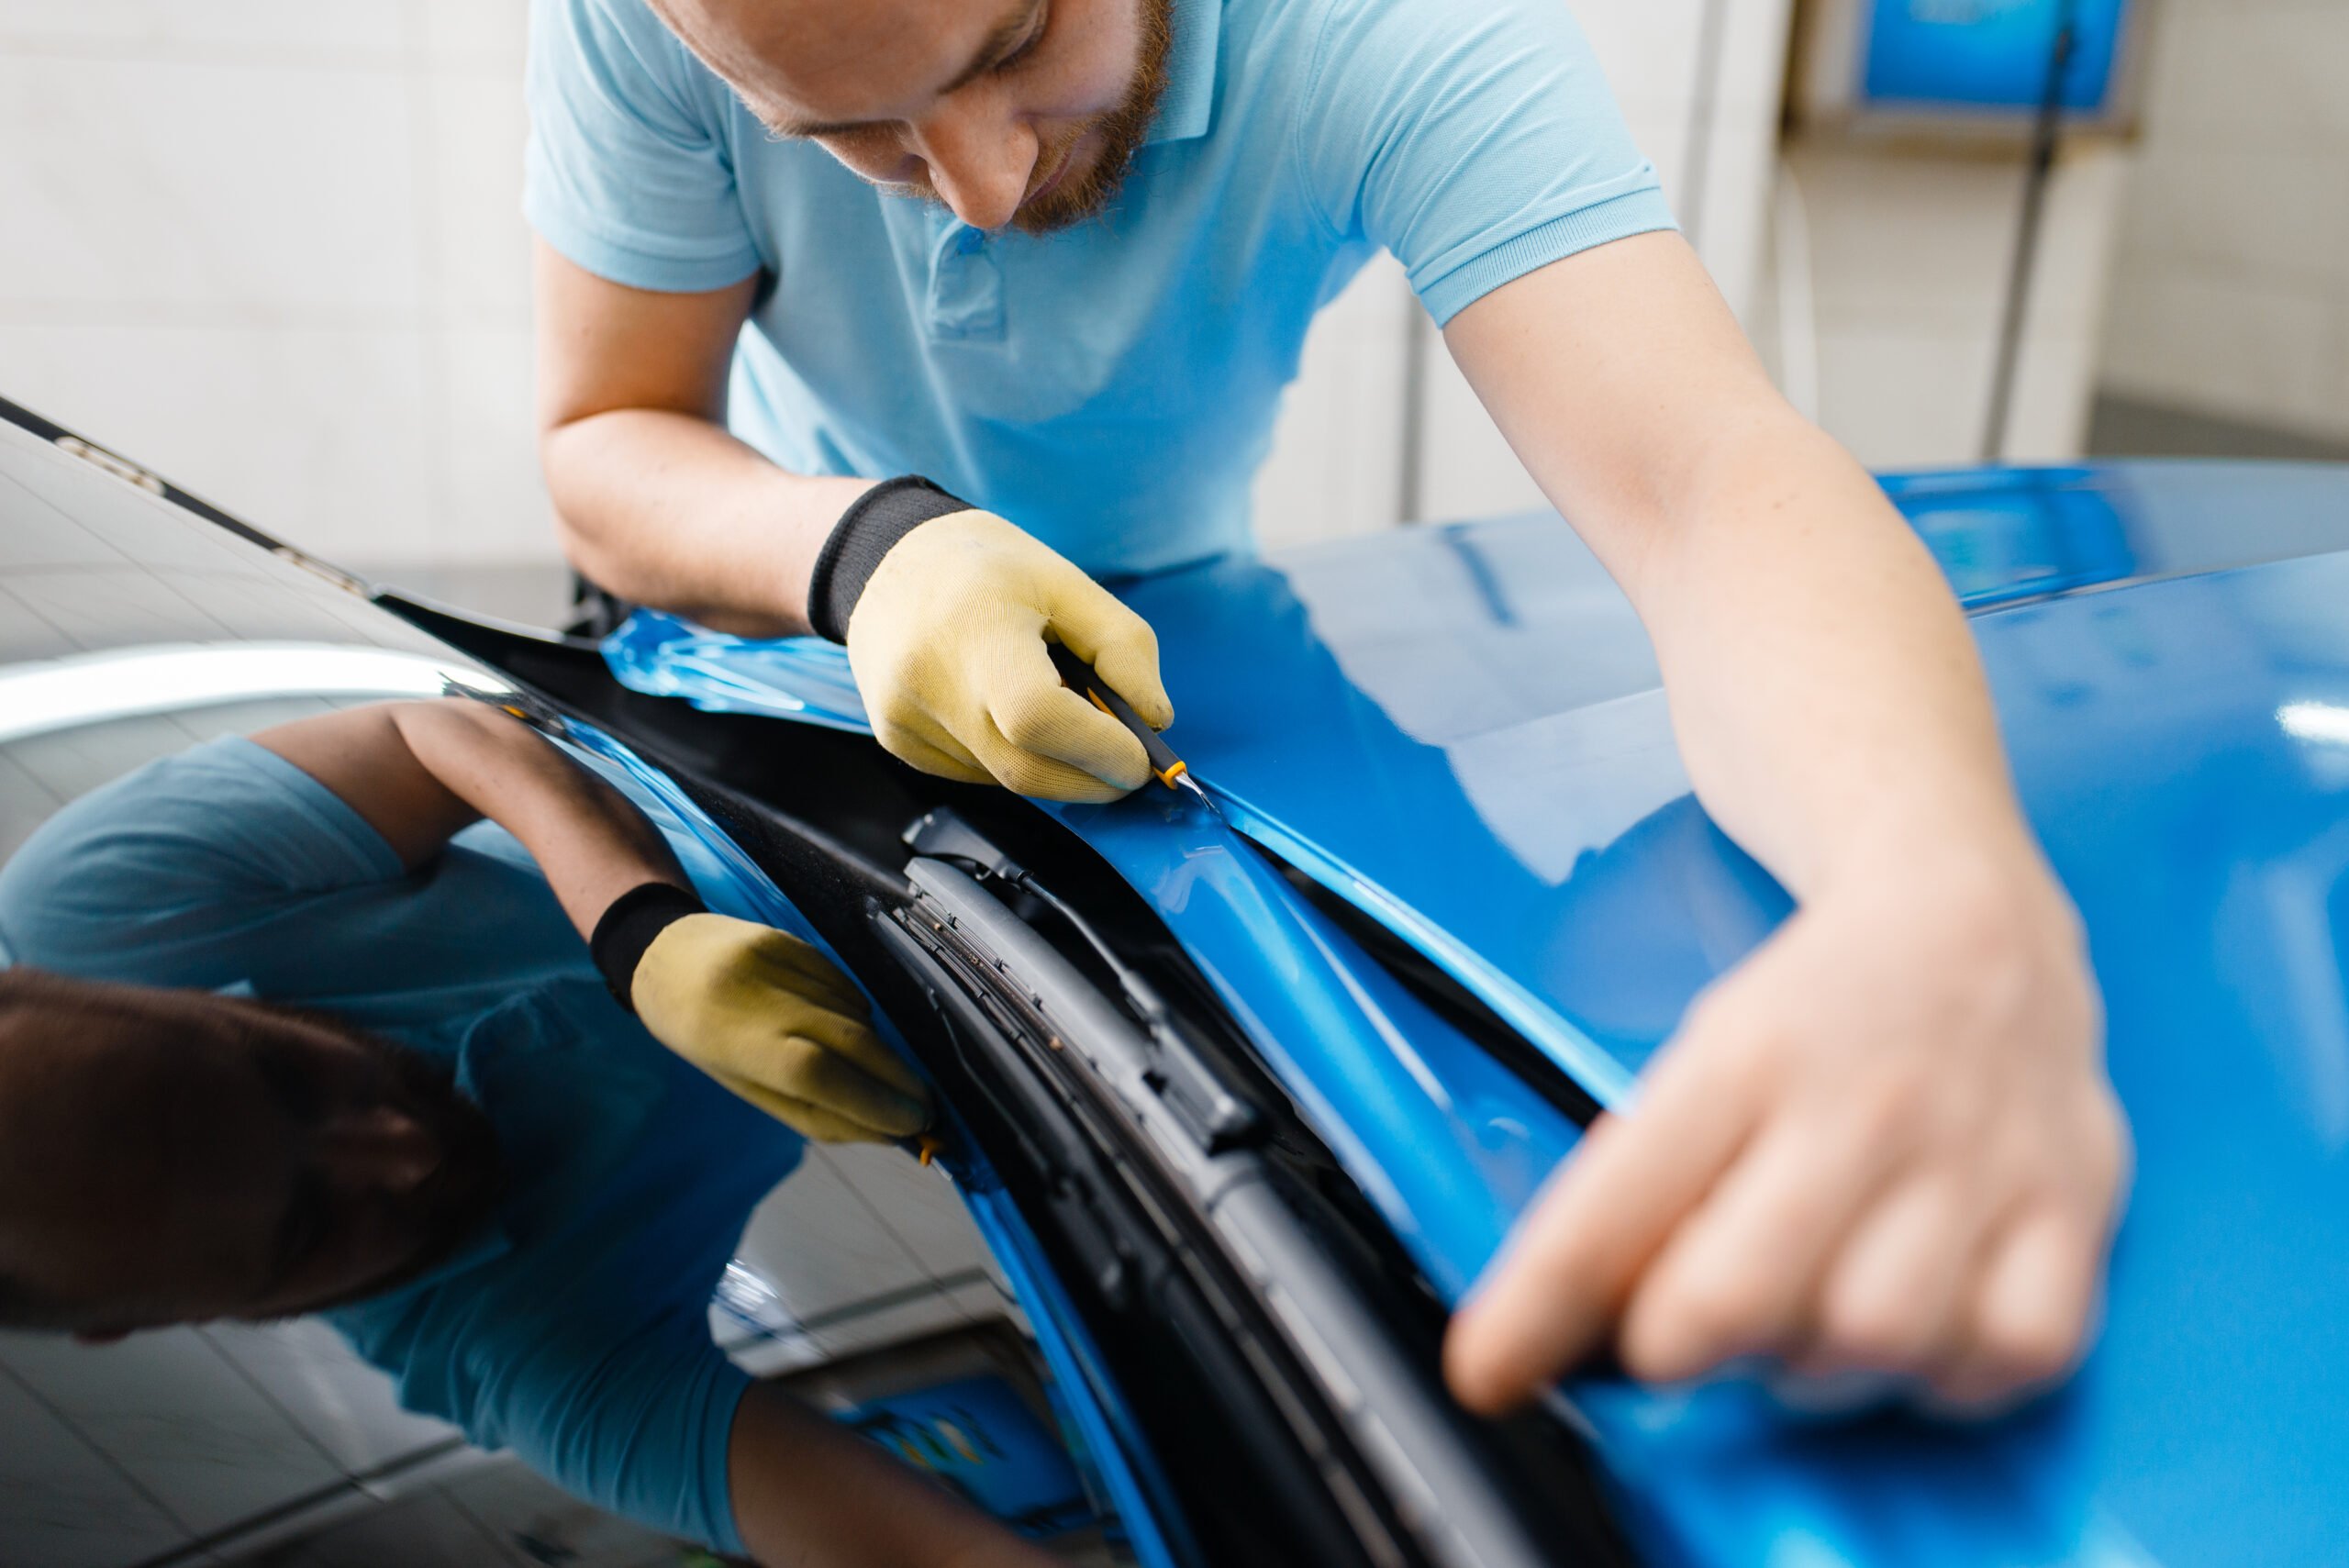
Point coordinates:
pixel 627 927
pixel 867 531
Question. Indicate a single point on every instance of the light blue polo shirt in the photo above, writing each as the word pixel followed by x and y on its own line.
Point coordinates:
pixel 576 1331
pixel 1111 388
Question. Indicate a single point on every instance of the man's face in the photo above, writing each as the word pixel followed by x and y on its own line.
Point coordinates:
pixel 171 1157
pixel 1013 113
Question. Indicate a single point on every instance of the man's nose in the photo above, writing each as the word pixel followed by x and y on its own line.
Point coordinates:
pixel 980 157
pixel 377 1151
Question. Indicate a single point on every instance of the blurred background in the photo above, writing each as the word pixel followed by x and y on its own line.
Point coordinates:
pixel 273 250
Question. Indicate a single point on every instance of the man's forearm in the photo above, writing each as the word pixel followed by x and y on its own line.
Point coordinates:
pixel 1825 693
pixel 809 1493
pixel 419 772
pixel 668 509
pixel 589 838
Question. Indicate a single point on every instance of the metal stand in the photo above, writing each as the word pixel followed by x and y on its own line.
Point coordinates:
pixel 2047 135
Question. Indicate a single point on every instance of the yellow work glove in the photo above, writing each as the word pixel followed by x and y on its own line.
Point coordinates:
pixel 946 612
pixel 761 1012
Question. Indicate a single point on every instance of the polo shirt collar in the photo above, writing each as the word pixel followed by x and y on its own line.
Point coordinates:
pixel 1188 105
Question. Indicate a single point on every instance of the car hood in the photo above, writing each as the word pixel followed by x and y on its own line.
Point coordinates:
pixel 1460 729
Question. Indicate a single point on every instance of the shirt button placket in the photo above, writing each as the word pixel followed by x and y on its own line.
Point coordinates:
pixel 965 286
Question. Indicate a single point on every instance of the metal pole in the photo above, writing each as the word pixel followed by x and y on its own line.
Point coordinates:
pixel 1703 109
pixel 2046 135
pixel 1412 478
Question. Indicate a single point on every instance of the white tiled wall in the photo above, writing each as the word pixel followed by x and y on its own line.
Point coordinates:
pixel 65 1503
pixel 198 1438
pixel 271 247
pixel 2231 293
pixel 860 1248
pixel 1909 250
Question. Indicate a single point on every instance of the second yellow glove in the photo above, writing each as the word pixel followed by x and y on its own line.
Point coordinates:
pixel 761 1012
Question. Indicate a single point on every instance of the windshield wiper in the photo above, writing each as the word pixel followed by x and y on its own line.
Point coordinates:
pixel 1189 1086
pixel 1152 1079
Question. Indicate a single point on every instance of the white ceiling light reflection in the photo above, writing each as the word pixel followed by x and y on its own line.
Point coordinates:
pixel 61 694
pixel 2315 721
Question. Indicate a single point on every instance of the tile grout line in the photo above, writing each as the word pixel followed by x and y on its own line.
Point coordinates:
pixel 238 1369
pixel 881 1219
pixel 104 1455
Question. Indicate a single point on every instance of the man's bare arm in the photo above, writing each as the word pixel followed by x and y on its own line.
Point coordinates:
pixel 1820 675
pixel 812 1495
pixel 419 772
pixel 1885 1142
pixel 655 501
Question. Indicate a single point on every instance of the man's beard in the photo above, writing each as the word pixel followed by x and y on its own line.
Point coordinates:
pixel 460 1199
pixel 1122 131
pixel 1087 193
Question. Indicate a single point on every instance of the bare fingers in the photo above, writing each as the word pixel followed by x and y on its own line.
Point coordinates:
pixel 1555 1294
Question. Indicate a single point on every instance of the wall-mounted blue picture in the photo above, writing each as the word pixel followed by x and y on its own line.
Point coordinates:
pixel 1988 54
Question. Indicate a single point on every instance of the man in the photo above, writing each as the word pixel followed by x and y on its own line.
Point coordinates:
pixel 289 1047
pixel 1058 258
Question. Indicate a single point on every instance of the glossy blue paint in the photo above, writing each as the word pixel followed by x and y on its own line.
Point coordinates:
pixel 1459 729
pixel 1378 1074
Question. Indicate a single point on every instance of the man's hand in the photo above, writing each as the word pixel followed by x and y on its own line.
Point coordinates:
pixel 1886 1142
pixel 947 641
pixel 768 1015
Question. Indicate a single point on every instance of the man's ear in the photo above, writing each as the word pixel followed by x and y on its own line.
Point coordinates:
pixel 100 1336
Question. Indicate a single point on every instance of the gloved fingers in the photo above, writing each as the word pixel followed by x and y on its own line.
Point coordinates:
pixel 942 757
pixel 808 1070
pixel 803 973
pixel 856 1043
pixel 805 1070
pixel 1033 714
pixel 810 1121
pixel 1046 778
pixel 1097 627
pixel 844 1027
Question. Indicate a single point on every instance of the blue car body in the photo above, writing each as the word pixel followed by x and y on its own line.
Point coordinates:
pixel 1459 731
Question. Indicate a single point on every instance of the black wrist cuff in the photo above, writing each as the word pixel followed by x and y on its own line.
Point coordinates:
pixel 867 531
pixel 627 927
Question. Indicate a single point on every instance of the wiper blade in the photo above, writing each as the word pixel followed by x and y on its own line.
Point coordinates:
pixel 1190 1087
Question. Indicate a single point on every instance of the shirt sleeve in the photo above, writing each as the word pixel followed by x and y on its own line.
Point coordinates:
pixel 1477 143
pixel 163 875
pixel 627 173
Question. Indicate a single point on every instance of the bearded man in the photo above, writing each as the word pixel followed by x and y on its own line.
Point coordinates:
pixel 909 322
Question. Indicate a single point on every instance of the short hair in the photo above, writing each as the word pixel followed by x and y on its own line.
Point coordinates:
pixel 38 1004
pixel 21 1307
pixel 58 996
